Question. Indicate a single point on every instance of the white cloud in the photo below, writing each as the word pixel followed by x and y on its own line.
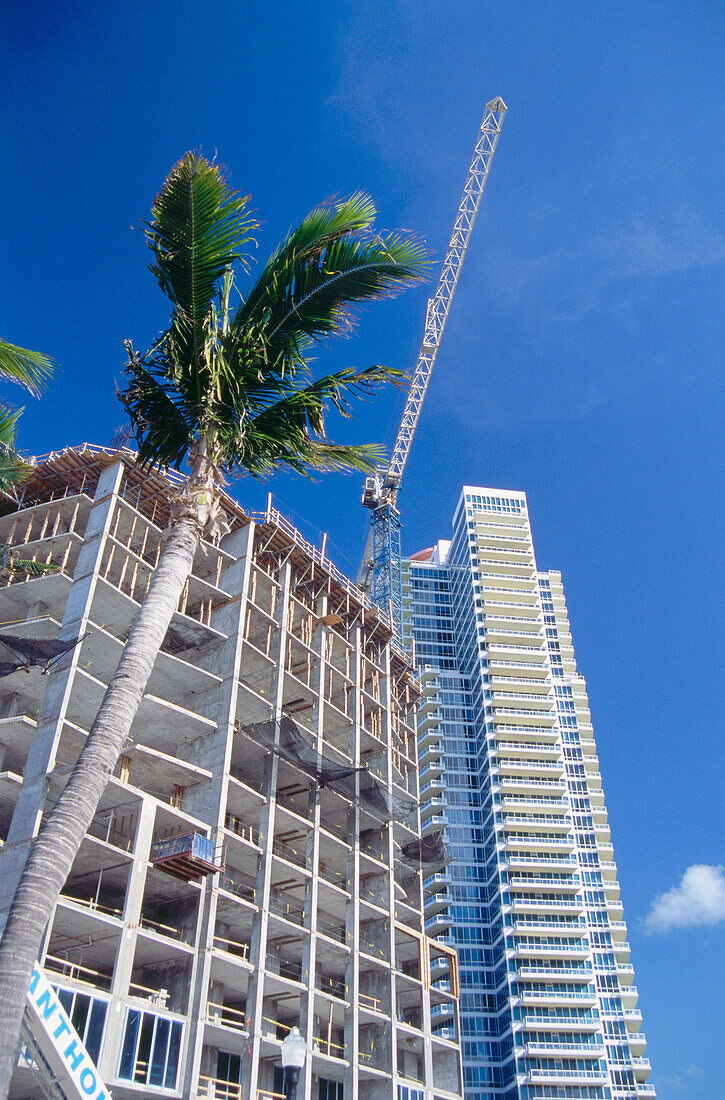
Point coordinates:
pixel 699 899
pixel 680 1080
pixel 569 282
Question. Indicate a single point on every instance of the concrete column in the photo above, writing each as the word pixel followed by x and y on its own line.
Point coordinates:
pixel 41 757
pixel 387 701
pixel 307 1000
pixel 258 946
pixel 352 921
pixel 424 953
pixel 126 950
pixel 209 800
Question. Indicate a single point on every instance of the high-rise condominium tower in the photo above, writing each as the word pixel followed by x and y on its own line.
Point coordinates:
pixel 509 769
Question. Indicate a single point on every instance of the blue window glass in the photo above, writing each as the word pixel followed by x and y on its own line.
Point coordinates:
pixel 150 1050
pixel 143 1054
pixel 88 1016
pixel 94 1030
pixel 172 1064
pixel 128 1050
pixel 158 1059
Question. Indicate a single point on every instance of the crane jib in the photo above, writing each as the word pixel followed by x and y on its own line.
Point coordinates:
pixel 381 572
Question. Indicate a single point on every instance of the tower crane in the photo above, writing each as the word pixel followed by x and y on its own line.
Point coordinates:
pixel 381 569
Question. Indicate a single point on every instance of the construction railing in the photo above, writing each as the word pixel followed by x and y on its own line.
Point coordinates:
pixel 226 1016
pixel 84 975
pixel 232 947
pixel 213 1088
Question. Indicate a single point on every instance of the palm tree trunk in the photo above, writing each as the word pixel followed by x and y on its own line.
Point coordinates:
pixel 56 847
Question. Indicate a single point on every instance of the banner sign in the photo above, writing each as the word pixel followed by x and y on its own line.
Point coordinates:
pixel 59 1044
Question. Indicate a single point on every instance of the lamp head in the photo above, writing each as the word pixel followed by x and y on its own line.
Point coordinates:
pixel 294 1050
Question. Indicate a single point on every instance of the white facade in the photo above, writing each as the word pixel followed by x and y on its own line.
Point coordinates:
pixel 510 771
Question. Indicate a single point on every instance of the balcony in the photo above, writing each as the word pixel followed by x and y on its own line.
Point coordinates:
pixel 433 903
pixel 523 699
pixel 433 824
pixel 553 973
pixel 543 736
pixel 563 928
pixel 439 923
pixel 563 905
pixel 545 718
pixel 555 885
pixel 428 719
pixel 538 821
pixel 553 996
pixel 556 1076
pixel 540 841
pixel 440 879
pixel 552 1022
pixel 429 733
pixel 539 862
pixel 525 748
pixel 572 1050
pixel 510 569
pixel 430 762
pixel 528 767
pixel 553 951
pixel 431 805
pixel 506 782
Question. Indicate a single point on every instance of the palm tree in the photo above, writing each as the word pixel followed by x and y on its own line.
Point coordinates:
pixel 226 387
pixel 13 469
pixel 30 369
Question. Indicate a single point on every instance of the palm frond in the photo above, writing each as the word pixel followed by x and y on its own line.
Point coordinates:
pixel 13 470
pixel 9 425
pixel 326 223
pixel 334 390
pixel 350 270
pixel 307 288
pixel 163 429
pixel 13 567
pixel 198 228
pixel 276 442
pixel 291 430
pixel 28 368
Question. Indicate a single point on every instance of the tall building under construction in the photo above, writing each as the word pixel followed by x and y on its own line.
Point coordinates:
pixel 510 775
pixel 255 863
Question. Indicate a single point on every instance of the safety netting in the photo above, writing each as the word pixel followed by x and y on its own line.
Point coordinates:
pixel 35 652
pixel 359 785
pixel 429 850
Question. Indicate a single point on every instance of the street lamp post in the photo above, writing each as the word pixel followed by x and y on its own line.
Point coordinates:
pixel 294 1052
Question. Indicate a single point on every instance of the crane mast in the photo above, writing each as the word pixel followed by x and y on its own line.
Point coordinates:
pixel 381 569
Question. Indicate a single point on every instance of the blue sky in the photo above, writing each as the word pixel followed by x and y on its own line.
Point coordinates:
pixel 582 361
